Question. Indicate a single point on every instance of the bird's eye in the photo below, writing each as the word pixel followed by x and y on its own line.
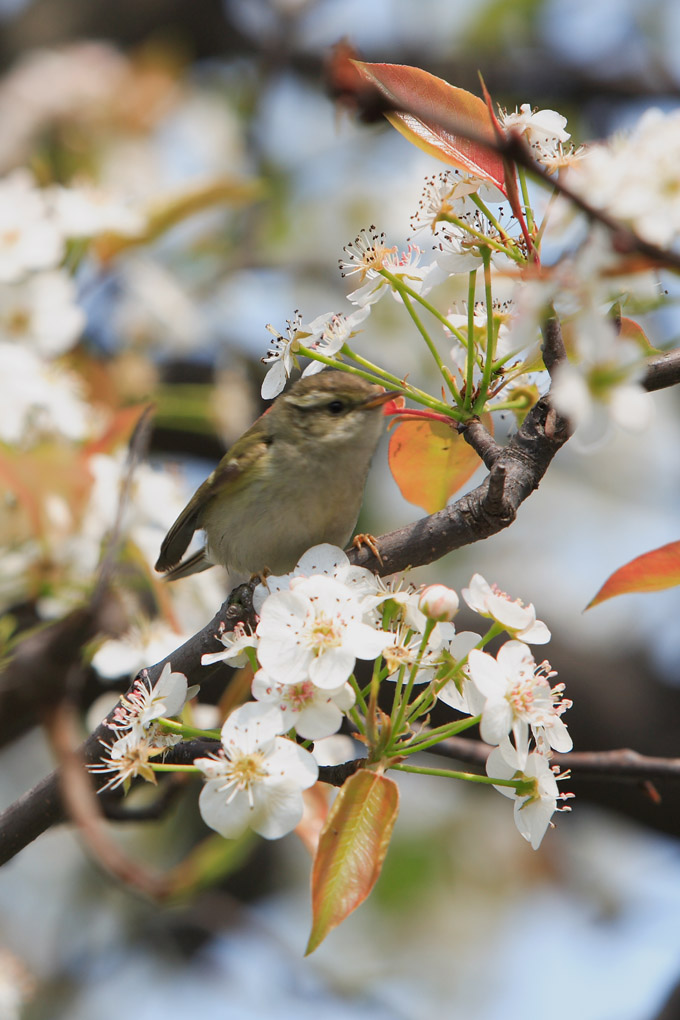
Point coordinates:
pixel 336 407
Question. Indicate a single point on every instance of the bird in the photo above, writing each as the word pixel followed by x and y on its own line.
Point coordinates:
pixel 294 479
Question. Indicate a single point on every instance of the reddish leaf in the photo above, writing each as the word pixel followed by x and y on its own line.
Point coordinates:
pixel 631 330
pixel 434 103
pixel 430 461
pixel 118 431
pixel 653 571
pixel 351 850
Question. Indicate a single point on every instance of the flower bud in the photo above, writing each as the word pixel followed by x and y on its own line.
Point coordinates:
pixel 438 602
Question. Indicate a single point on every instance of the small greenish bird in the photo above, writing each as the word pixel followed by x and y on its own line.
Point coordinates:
pixel 293 480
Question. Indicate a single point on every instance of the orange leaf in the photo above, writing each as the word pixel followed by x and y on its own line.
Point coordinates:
pixel 631 330
pixel 653 571
pixel 118 431
pixel 430 461
pixel 435 103
pixel 351 850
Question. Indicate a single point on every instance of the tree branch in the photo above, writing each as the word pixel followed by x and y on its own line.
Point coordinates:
pixel 475 516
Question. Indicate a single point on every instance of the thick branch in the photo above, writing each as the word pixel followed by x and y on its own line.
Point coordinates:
pixel 479 513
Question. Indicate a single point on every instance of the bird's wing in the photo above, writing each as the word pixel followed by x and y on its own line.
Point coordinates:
pixel 191 565
pixel 228 473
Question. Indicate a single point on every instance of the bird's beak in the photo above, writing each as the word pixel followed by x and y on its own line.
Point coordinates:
pixel 382 398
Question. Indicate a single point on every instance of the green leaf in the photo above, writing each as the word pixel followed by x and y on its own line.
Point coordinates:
pixel 437 103
pixel 653 571
pixel 351 850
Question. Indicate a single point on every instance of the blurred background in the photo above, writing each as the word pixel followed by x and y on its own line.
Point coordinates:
pixel 214 115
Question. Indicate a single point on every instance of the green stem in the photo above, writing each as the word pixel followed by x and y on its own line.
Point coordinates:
pixel 174 768
pixel 528 211
pixel 483 207
pixel 188 731
pixel 470 777
pixel 470 366
pixel 399 721
pixel 358 693
pixel 426 337
pixel 435 736
pixel 404 288
pixel 490 343
pixel 485 241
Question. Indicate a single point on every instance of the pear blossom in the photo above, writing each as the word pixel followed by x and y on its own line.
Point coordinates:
pixel 236 644
pixel 516 618
pixel 85 211
pixel 315 631
pixel 534 809
pixel 460 249
pixel 365 255
pixel 39 398
pixel 313 713
pixel 139 738
pixel 460 693
pixel 330 332
pixel 146 702
pixel 519 698
pixel 328 561
pixel 438 602
pixel 440 658
pixel 543 129
pixel 143 643
pixel 41 312
pixel 634 176
pixel 29 238
pixel 406 266
pixel 447 195
pixel 127 758
pixel 257 778
pixel 281 356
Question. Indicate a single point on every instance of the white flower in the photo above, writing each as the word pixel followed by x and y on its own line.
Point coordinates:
pixel 532 810
pixel 258 778
pixel 236 642
pixel 589 393
pixel 314 713
pixel 315 631
pixel 543 129
pixel 127 758
pixel 460 249
pixel 438 602
pixel 41 311
pixel 516 618
pixel 38 399
pixel 325 560
pixel 441 657
pixel 85 211
pixel 147 642
pixel 329 333
pixel 404 265
pixel 519 698
pixel 460 693
pixel 447 195
pixel 281 356
pixel 366 255
pixel 634 176
pixel 29 238
pixel 146 702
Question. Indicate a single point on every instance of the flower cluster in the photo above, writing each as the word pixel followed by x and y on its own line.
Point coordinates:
pixel 314 625
pixel 139 737
pixel 495 361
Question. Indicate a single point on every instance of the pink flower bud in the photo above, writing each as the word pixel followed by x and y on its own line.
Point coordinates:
pixel 438 602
